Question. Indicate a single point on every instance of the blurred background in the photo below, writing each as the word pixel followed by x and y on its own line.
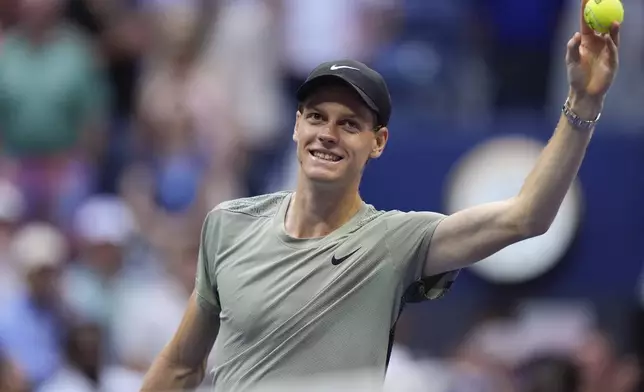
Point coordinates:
pixel 122 122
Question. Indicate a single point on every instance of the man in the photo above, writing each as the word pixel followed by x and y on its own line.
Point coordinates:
pixel 293 284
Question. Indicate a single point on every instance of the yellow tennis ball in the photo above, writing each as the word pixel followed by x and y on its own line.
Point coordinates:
pixel 600 14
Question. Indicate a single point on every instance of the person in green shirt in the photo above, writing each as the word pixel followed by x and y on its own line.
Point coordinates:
pixel 53 101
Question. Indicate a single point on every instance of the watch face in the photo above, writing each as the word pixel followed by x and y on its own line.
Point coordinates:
pixel 495 171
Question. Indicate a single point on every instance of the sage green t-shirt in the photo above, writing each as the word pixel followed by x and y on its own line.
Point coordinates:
pixel 292 307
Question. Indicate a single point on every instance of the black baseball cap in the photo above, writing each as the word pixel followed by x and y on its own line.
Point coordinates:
pixel 369 84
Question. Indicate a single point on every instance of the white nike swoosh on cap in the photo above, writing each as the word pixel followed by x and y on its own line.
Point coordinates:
pixel 336 67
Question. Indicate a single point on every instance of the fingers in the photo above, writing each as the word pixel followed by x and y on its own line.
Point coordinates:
pixel 573 54
pixel 612 43
pixel 614 33
pixel 584 28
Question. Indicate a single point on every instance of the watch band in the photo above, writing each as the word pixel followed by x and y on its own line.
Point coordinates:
pixel 575 120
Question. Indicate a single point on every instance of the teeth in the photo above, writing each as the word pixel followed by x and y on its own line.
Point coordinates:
pixel 326 157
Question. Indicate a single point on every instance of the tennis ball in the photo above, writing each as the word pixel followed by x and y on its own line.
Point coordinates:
pixel 600 14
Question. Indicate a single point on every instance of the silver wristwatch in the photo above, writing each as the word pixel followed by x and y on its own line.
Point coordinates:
pixel 575 120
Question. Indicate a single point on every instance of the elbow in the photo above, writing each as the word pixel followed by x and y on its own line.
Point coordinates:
pixel 533 226
pixel 528 224
pixel 536 229
pixel 184 370
pixel 165 374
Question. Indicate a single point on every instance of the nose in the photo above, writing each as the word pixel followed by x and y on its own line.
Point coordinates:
pixel 328 136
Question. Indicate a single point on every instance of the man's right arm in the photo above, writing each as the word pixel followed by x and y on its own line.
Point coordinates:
pixel 182 363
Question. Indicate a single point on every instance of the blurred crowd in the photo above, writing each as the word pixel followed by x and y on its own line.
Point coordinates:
pixel 534 346
pixel 122 122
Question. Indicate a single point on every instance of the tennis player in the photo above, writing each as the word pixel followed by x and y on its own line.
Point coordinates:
pixel 300 283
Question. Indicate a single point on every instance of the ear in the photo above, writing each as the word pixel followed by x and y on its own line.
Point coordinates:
pixel 298 115
pixel 379 142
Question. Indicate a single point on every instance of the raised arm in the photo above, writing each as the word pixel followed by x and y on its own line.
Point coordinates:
pixel 182 363
pixel 475 233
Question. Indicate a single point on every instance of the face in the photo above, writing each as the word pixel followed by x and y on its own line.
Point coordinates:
pixel 43 283
pixel 335 136
pixel 177 29
pixel 106 258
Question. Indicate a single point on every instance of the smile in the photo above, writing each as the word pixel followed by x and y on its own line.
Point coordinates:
pixel 325 156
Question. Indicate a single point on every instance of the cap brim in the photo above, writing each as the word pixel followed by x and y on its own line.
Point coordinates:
pixel 310 85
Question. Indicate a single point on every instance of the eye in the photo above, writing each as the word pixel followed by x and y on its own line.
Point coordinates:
pixel 314 117
pixel 351 125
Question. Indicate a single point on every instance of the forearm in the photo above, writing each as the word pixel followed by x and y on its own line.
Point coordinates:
pixel 546 186
pixel 182 363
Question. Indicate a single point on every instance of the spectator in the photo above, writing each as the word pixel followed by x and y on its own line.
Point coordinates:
pixel 52 107
pixel 81 367
pixel 32 324
pixel 103 226
pixel 84 370
pixel 186 128
pixel 118 31
pixel 245 48
pixel 140 330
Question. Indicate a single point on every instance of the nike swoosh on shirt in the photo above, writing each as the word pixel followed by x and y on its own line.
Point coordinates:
pixel 336 261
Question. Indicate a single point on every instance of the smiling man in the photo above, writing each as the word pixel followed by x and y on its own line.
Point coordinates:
pixel 294 284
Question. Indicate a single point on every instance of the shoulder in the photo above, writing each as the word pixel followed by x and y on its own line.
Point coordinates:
pixel 393 226
pixel 238 215
pixel 257 206
pixel 394 218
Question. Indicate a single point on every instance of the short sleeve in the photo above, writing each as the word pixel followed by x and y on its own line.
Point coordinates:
pixel 409 236
pixel 206 284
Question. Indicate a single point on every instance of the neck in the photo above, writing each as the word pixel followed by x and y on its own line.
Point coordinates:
pixel 316 212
